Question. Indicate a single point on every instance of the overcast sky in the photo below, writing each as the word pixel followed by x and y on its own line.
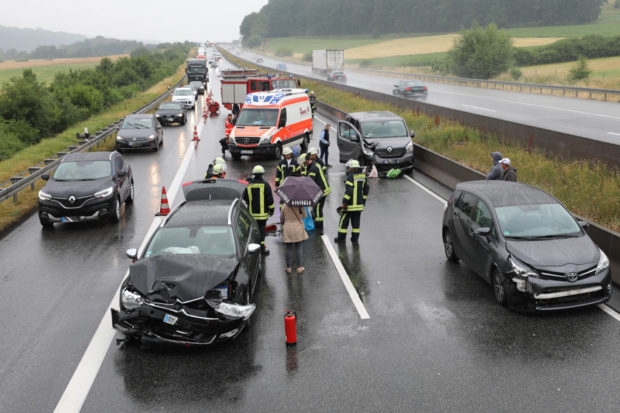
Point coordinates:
pixel 147 20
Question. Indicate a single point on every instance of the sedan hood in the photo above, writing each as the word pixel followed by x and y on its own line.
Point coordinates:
pixel 64 189
pixel 182 277
pixel 556 255
pixel 136 133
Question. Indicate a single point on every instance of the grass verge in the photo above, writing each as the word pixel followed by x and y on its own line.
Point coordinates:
pixel 589 189
pixel 10 212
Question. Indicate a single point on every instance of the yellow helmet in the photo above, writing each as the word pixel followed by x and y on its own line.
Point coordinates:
pixel 353 163
pixel 217 169
pixel 258 170
pixel 301 158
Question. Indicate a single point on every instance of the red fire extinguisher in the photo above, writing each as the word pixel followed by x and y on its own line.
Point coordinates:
pixel 290 319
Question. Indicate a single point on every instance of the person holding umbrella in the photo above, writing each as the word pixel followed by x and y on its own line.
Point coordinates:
pixel 353 201
pixel 259 199
pixel 296 192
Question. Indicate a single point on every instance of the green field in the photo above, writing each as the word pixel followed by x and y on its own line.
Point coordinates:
pixel 44 73
pixel 407 60
pixel 303 45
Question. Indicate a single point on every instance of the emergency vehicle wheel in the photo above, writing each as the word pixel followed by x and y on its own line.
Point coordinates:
pixel 235 155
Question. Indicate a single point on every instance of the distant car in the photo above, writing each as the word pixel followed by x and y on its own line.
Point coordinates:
pixel 337 76
pixel 195 281
pixel 185 96
pixel 139 131
pixel 523 242
pixel 171 112
pixel 410 88
pixel 197 86
pixel 86 186
pixel 378 138
pixel 281 66
pixel 260 60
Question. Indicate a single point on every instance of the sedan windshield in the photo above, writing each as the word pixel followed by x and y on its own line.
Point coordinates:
pixel 384 129
pixel 257 117
pixel 183 92
pixel 137 123
pixel 536 221
pixel 82 170
pixel 207 240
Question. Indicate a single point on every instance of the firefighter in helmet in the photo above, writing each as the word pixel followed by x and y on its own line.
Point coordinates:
pixel 259 199
pixel 353 201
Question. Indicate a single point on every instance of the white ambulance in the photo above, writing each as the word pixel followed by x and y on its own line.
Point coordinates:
pixel 269 121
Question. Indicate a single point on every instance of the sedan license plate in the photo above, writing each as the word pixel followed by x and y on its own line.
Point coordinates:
pixel 170 319
pixel 247 152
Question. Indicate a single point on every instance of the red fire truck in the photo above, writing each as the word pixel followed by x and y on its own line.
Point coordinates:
pixel 237 83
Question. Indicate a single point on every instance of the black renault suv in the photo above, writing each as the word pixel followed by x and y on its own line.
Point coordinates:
pixel 86 186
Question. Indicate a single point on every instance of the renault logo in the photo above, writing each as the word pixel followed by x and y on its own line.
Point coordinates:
pixel 572 276
pixel 72 200
pixel 389 149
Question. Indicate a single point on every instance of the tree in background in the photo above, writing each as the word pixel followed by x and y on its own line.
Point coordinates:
pixel 580 71
pixel 254 28
pixel 481 52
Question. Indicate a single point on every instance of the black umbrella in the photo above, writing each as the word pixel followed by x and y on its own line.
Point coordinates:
pixel 299 191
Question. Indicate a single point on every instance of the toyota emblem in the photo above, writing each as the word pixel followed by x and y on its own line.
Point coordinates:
pixel 72 200
pixel 389 149
pixel 572 276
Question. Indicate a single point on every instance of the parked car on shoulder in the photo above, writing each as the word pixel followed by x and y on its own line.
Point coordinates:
pixel 171 112
pixel 410 88
pixel 526 244
pixel 140 131
pixel 378 138
pixel 195 281
pixel 185 96
pixel 337 76
pixel 84 187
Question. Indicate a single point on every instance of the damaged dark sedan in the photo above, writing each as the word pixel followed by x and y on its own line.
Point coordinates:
pixel 195 280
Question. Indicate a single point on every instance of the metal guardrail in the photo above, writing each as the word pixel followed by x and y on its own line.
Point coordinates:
pixel 15 184
pixel 448 172
pixel 503 85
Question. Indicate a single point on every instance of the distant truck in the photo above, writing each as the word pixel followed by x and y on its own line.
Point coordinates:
pixel 327 61
pixel 237 83
pixel 196 69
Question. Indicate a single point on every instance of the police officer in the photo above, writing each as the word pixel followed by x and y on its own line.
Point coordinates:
pixel 315 172
pixel 287 166
pixel 259 199
pixel 353 201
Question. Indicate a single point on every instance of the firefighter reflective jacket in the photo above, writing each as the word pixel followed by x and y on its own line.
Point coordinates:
pixel 315 172
pixel 284 169
pixel 356 191
pixel 259 198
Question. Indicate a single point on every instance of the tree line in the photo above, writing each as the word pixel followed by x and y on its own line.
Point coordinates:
pixel 28 39
pixel 31 110
pixel 280 18
pixel 98 46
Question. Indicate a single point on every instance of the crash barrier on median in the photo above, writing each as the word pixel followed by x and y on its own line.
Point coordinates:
pixel 29 177
pixel 449 173
pixel 554 90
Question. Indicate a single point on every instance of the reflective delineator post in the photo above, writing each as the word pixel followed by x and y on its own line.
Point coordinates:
pixel 164 208
pixel 290 320
pixel 204 112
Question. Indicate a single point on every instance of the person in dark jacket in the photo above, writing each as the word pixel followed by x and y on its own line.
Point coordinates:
pixel 324 144
pixel 259 199
pixel 353 201
pixel 315 172
pixel 288 166
pixel 509 173
pixel 496 170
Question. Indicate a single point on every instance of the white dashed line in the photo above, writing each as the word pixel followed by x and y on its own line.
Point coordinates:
pixel 609 311
pixel 479 108
pixel 84 375
pixel 357 302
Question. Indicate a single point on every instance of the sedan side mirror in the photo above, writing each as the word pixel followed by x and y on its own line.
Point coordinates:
pixel 253 248
pixel 45 177
pixel 583 224
pixel 413 134
pixel 132 253
pixel 483 231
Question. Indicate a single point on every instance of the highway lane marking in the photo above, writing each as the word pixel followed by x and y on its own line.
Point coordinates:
pixel 614 133
pixel 357 302
pixel 425 189
pixel 86 372
pixel 609 311
pixel 325 123
pixel 479 107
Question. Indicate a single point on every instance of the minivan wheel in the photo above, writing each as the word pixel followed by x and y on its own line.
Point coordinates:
pixel 235 155
pixel 277 152
pixel 448 246
pixel 499 286
pixel 115 214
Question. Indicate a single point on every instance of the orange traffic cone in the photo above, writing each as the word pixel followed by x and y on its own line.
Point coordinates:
pixel 164 209
pixel 204 112
pixel 195 138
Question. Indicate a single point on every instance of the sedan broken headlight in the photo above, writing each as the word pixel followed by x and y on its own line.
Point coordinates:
pixel 603 263
pixel 521 269
pixel 131 300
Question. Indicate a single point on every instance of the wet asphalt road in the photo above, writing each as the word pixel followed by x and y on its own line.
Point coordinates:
pixel 588 118
pixel 435 340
